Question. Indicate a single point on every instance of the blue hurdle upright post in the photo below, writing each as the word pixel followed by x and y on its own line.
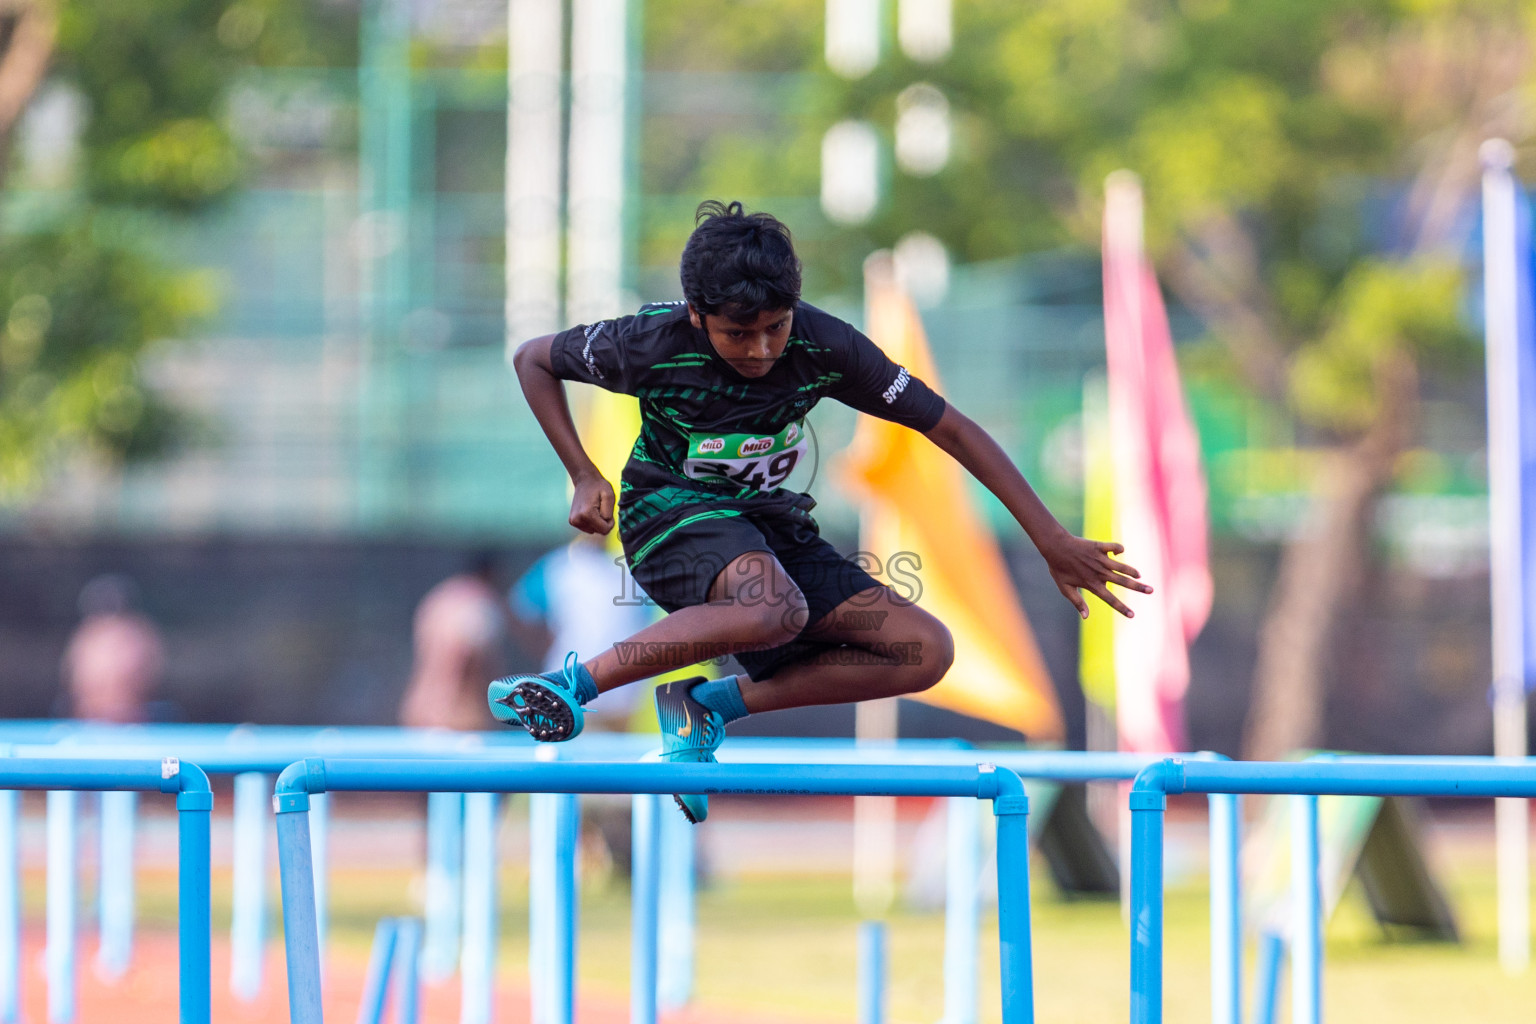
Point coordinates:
pixel 381 960
pixel 405 986
pixel 1147 809
pixel 1266 985
pixel 301 938
pixel 194 819
pixel 872 972
pixel 1015 952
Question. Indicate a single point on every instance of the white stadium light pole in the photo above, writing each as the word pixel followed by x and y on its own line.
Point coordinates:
pixel 853 36
pixel 595 200
pixel 925 29
pixel 534 143
pixel 1509 739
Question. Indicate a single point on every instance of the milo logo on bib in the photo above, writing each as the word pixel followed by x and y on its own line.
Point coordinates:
pixel 747 460
pixel 755 446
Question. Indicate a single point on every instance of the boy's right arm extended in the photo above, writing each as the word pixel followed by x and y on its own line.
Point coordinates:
pixel 592 504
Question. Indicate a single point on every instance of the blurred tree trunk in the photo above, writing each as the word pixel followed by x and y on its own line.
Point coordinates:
pixel 1320 571
pixel 28 29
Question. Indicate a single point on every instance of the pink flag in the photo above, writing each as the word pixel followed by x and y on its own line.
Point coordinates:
pixel 1159 488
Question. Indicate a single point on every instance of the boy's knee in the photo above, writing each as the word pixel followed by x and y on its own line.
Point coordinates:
pixel 775 623
pixel 935 654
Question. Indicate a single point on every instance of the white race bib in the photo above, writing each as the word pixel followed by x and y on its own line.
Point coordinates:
pixel 762 462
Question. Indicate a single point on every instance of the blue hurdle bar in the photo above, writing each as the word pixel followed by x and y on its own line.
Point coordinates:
pixel 194 804
pixel 298 781
pixel 1457 777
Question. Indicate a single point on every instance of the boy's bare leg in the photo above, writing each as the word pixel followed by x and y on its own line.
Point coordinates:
pixel 894 648
pixel 753 603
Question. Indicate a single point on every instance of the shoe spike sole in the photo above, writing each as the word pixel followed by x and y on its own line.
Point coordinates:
pixel 686 812
pixel 532 701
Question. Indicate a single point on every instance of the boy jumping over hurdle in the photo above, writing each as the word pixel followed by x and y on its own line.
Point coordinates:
pixel 725 380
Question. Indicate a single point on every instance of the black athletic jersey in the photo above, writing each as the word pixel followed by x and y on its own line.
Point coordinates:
pixel 708 435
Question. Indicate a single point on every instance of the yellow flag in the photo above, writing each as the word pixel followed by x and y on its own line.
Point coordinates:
pixel 916 501
pixel 1096 650
pixel 610 423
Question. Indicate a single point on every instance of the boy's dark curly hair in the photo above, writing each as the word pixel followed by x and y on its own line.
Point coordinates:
pixel 738 263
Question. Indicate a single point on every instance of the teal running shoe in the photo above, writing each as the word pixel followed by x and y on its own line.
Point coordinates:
pixel 690 732
pixel 543 704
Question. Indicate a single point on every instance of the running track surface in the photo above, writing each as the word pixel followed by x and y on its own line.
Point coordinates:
pixel 148 995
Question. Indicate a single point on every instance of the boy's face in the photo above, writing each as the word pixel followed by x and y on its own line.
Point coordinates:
pixel 750 346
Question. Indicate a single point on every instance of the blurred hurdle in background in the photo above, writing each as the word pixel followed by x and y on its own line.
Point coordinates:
pixel 1304 782
pixel 62 778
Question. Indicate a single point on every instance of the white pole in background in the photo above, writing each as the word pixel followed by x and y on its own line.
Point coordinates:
pixel 319 857
pixel 61 913
pixel 114 884
pixel 10 906
pixel 477 965
pixel 599 57
pixel 248 910
pixel 675 943
pixel 1509 739
pixel 534 142
pixel 444 898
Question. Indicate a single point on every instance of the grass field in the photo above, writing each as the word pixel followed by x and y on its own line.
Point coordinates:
pixel 780 949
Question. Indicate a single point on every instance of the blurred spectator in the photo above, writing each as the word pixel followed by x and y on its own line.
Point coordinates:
pixel 459 628
pixel 115 657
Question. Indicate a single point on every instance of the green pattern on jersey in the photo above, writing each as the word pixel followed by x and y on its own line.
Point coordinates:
pixel 649 546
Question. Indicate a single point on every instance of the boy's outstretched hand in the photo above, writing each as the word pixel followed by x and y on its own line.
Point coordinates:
pixel 1077 564
pixel 592 505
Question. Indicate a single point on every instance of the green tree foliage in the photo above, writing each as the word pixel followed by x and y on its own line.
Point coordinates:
pixel 81 310
pixel 83 298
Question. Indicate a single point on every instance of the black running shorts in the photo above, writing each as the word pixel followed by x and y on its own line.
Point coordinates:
pixel 678 565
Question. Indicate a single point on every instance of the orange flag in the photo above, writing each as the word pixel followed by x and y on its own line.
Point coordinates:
pixel 916 501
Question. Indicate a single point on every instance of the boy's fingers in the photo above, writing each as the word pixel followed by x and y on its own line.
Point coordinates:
pixel 1071 594
pixel 591 521
pixel 1110 547
pixel 1130 584
pixel 1122 568
pixel 1103 594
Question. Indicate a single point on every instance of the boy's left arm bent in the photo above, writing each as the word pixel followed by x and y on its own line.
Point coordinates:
pixel 1075 563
